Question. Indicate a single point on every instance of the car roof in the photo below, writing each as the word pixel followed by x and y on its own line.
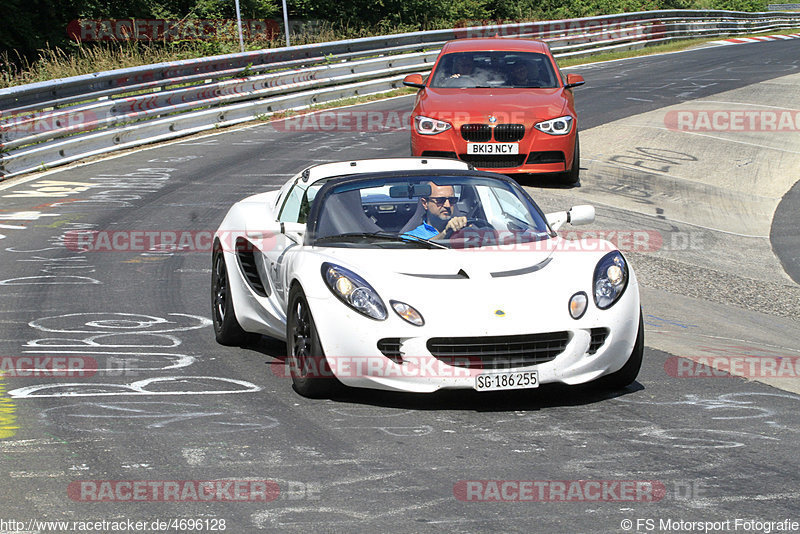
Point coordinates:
pixel 482 44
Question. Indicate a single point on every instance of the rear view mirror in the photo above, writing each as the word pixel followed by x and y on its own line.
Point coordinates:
pixel 410 190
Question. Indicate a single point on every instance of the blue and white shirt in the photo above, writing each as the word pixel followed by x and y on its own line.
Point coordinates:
pixel 424 230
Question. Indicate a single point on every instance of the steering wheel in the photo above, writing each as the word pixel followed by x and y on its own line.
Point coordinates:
pixel 474 222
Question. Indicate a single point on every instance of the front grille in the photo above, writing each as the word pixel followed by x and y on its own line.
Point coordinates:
pixel 599 336
pixel 499 352
pixel 494 162
pixel 438 154
pixel 477 133
pixel 390 347
pixel 509 133
pixel 247 261
pixel 540 158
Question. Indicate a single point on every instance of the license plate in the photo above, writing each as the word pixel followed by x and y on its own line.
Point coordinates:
pixel 499 381
pixel 492 148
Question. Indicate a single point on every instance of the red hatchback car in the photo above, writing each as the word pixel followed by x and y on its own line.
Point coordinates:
pixel 499 104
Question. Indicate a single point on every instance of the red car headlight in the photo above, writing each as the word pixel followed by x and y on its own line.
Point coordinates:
pixel 557 126
pixel 428 126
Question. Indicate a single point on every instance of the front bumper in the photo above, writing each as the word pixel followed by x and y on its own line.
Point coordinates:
pixel 538 152
pixel 355 358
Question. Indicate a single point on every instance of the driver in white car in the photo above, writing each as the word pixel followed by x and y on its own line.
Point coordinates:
pixel 438 220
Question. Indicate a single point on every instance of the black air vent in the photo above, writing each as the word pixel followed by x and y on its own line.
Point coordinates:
pixel 499 352
pixel 494 162
pixel 477 133
pixel 599 336
pixel 245 253
pixel 509 133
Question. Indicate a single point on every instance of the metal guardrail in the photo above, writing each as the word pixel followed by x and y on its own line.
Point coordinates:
pixel 56 122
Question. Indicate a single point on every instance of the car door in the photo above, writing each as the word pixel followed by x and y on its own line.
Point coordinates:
pixel 294 208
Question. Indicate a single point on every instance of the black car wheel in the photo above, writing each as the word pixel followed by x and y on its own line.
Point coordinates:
pixel 226 328
pixel 311 375
pixel 572 175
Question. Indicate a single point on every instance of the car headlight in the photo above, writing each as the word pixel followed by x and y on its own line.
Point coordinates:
pixel 428 126
pixel 610 279
pixel 558 126
pixel 353 291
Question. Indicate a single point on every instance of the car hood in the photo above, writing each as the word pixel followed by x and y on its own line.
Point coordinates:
pixel 464 105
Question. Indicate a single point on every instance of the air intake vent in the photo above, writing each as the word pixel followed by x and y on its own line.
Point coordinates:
pixel 477 133
pixel 245 253
pixel 509 133
pixel 542 158
pixel 390 347
pixel 599 336
pixel 494 162
pixel 499 352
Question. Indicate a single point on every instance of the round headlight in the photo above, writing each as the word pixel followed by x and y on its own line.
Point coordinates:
pixel 614 274
pixel 344 286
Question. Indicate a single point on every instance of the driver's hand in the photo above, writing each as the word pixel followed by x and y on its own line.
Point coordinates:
pixel 455 224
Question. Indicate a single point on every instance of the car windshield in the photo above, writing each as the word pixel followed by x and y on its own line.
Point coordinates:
pixel 494 69
pixel 413 212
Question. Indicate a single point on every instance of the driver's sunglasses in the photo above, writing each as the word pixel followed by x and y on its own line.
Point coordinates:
pixel 439 201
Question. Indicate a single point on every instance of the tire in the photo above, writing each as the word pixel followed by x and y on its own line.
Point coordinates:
pixel 572 176
pixel 226 328
pixel 311 375
pixel 629 372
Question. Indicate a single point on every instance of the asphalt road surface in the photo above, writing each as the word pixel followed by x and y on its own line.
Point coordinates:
pixel 169 404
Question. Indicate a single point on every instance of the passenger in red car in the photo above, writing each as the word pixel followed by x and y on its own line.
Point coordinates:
pixel 463 65
pixel 518 75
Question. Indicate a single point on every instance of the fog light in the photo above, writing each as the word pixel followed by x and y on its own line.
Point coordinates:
pixel 577 305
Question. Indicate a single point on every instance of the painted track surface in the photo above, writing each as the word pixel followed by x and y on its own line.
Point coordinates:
pixel 721 447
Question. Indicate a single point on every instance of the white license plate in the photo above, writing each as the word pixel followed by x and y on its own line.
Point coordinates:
pixel 492 148
pixel 498 381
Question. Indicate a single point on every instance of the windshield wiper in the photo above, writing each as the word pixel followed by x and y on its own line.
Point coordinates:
pixel 385 236
pixel 417 239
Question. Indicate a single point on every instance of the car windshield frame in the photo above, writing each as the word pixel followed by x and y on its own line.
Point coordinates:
pixel 494 69
pixel 537 229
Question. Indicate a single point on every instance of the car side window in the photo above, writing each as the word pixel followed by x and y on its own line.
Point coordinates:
pixel 298 203
pixel 290 212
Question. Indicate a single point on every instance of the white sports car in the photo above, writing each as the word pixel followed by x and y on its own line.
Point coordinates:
pixel 415 274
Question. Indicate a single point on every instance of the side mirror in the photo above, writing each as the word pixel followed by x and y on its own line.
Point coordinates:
pixel 577 215
pixel 414 80
pixel 574 80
